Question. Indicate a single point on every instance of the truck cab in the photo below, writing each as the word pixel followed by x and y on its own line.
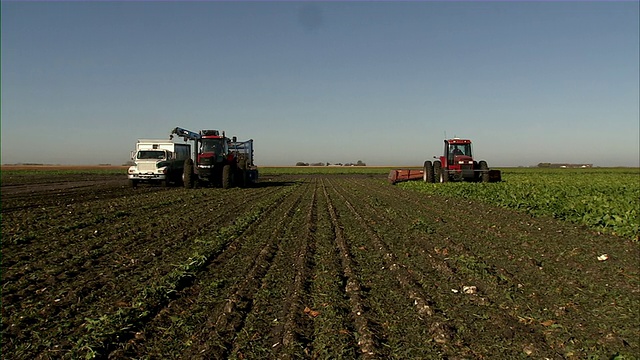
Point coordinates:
pixel 157 161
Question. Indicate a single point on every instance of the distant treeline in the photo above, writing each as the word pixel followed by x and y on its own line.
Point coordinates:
pixel 358 163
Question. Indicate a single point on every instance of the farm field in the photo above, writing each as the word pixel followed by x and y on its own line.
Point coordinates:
pixel 308 264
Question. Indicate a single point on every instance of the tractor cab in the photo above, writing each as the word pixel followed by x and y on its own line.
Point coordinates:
pixel 457 152
pixel 212 145
pixel 212 148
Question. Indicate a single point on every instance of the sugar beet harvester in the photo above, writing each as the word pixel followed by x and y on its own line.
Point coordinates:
pixel 456 164
pixel 217 160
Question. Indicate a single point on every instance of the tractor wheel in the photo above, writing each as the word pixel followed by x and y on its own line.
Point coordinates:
pixel 226 177
pixel 437 169
pixel 133 183
pixel 444 176
pixel 484 171
pixel 427 172
pixel 440 173
pixel 187 174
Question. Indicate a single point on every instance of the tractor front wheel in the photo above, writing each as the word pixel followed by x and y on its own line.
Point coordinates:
pixel 484 171
pixel 427 172
pixel 440 173
pixel 226 177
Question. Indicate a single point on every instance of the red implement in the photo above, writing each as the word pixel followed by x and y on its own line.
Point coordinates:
pixel 399 175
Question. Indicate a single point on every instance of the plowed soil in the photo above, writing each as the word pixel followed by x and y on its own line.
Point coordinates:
pixel 315 266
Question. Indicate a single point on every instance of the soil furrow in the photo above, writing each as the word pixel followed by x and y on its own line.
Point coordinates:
pixel 220 298
pixel 480 304
pixel 110 331
pixel 295 334
pixel 495 266
pixel 92 290
pixel 334 332
pixel 436 319
pixel 306 267
pixel 353 288
pixel 231 318
pixel 263 330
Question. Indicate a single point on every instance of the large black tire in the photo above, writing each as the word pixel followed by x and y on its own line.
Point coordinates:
pixel 440 174
pixel 226 177
pixel 484 171
pixel 437 168
pixel 133 183
pixel 427 172
pixel 187 174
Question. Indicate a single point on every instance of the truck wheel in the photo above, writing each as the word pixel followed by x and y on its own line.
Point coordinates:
pixel 133 183
pixel 427 172
pixel 187 174
pixel 484 171
pixel 226 177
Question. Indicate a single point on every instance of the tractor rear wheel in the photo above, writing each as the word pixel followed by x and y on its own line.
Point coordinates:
pixel 187 174
pixel 427 172
pixel 226 177
pixel 484 171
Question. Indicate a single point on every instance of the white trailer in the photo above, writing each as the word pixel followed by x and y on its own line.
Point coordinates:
pixel 158 160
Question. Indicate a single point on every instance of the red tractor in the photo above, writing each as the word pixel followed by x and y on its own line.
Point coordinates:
pixel 217 160
pixel 457 164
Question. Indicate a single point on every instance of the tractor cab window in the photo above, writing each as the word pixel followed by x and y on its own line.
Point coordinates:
pixel 211 146
pixel 151 154
pixel 460 149
pixel 455 150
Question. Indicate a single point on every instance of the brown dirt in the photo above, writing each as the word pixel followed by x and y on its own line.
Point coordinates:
pixel 302 267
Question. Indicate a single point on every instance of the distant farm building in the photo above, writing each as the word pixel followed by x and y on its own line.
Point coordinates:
pixel 564 166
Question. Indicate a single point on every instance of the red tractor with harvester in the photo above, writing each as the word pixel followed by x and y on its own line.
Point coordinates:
pixel 217 160
pixel 456 164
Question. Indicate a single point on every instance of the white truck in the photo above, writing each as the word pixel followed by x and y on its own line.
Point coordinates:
pixel 158 161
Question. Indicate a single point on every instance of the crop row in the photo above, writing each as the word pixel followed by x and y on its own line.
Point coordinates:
pixel 537 271
pixel 606 201
pixel 322 267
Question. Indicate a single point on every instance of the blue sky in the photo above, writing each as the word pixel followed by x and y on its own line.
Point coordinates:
pixel 380 82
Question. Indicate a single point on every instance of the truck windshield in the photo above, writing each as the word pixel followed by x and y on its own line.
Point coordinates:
pixel 211 146
pixel 151 154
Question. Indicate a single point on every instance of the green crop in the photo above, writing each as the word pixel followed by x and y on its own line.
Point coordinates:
pixel 606 200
